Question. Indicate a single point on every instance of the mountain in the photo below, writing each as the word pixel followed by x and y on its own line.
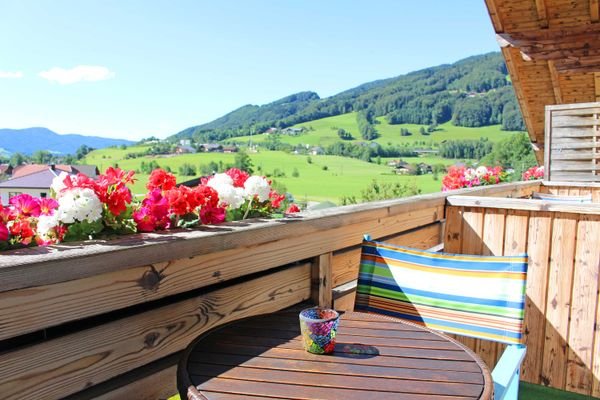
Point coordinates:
pixel 472 92
pixel 29 140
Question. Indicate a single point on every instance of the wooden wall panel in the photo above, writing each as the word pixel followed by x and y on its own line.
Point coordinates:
pixel 562 317
pixel 66 365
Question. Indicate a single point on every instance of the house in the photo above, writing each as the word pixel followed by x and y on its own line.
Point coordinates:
pixel 316 150
pixel 184 149
pixel 424 168
pixel 185 142
pixel 405 170
pixel 211 148
pixel 293 131
pixel 230 149
pixel 36 179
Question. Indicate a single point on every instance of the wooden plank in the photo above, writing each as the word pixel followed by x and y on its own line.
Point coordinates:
pixel 74 362
pixel 472 243
pixel 453 236
pixel 538 250
pixel 523 204
pixel 573 120
pixel 583 307
pixel 346 262
pixel 493 245
pixel 35 308
pixel 321 287
pixel 560 279
pixel 160 385
pixel 73 261
pixel 548 139
pixel 345 302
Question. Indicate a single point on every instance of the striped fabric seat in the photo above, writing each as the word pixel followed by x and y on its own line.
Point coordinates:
pixel 477 296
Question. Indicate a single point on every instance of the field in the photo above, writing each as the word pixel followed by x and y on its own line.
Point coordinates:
pixel 324 178
pixel 323 132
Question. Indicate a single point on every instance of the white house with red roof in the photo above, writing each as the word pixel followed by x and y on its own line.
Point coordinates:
pixel 35 179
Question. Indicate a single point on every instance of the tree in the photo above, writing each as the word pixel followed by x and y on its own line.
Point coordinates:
pixel 187 169
pixel 242 161
pixel 82 151
pixel 513 152
pixel 41 157
pixel 17 159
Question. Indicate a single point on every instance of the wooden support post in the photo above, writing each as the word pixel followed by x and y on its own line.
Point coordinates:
pixel 322 291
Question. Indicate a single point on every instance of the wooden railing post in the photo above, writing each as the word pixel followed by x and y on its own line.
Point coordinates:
pixel 321 288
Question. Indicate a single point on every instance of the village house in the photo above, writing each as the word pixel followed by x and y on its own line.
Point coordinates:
pixel 211 148
pixel 36 179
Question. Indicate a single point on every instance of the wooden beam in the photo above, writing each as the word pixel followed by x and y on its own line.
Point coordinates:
pixel 597 85
pixel 582 65
pixel 594 10
pixel 494 15
pixel 550 36
pixel 321 287
pixel 555 83
pixel 540 6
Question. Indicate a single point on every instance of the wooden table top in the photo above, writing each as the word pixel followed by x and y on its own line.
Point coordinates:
pixel 376 357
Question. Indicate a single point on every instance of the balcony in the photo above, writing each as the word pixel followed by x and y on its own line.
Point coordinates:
pixel 108 319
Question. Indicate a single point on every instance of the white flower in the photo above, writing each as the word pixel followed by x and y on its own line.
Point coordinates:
pixel 481 171
pixel 470 174
pixel 46 225
pixel 220 179
pixel 58 183
pixel 78 205
pixel 257 186
pixel 231 196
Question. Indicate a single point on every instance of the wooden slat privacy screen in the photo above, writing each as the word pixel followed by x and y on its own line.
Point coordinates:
pixel 572 144
pixel 562 315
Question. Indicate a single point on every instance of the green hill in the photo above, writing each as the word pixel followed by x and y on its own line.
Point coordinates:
pixel 473 92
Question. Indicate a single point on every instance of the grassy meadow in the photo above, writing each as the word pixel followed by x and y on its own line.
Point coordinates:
pixel 324 178
pixel 323 132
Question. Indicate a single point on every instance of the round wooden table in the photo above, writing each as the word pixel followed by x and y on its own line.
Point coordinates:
pixel 376 357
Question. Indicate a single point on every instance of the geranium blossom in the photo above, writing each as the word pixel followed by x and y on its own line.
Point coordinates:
pixel 26 205
pixel 257 186
pixel 78 205
pixel 534 173
pixel 462 177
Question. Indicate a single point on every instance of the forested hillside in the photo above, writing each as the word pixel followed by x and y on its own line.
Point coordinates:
pixel 472 92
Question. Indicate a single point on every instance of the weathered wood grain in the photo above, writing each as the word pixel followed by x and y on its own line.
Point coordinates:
pixel 538 250
pixel 524 204
pixel 74 362
pixel 29 309
pixel 321 282
pixel 558 302
pixel 583 306
pixel 79 260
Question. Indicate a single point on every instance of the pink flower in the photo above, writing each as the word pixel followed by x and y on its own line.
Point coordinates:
pixel 48 205
pixel 212 215
pixel 26 205
pixel 3 232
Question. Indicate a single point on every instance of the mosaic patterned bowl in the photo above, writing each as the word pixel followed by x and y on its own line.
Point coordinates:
pixel 319 328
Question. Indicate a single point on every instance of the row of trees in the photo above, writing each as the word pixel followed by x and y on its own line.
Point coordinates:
pixel 468 148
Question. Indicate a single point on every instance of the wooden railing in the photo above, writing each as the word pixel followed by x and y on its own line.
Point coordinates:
pixel 107 319
pixel 562 315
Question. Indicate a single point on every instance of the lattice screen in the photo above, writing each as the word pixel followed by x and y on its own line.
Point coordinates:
pixel 572 142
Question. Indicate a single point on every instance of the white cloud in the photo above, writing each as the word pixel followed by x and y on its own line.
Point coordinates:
pixel 10 75
pixel 90 73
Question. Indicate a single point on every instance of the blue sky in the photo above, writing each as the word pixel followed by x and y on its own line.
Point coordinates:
pixel 132 69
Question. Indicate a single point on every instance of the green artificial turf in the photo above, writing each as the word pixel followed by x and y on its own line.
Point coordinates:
pixel 529 391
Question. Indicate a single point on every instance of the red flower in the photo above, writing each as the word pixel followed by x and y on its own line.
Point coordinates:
pixel 26 205
pixel 206 196
pixel 178 200
pixel 293 208
pixel 212 215
pixel 23 231
pixel 239 177
pixel 161 179
pixel 47 206
pixel 3 232
pixel 276 198
pixel 153 214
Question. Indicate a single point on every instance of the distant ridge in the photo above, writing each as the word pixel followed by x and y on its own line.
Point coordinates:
pixel 472 92
pixel 30 140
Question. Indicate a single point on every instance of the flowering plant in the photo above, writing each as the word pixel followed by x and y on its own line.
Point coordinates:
pixel 533 173
pixel 462 177
pixel 84 208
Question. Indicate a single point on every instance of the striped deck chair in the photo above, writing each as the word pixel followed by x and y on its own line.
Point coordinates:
pixel 477 296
